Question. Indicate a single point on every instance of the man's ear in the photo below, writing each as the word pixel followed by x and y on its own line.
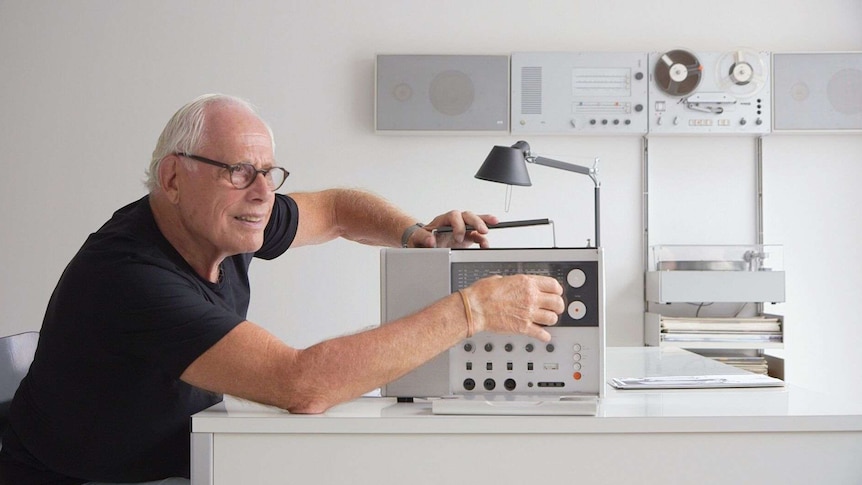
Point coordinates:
pixel 168 177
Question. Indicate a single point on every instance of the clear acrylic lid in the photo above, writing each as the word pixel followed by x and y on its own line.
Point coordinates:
pixel 742 257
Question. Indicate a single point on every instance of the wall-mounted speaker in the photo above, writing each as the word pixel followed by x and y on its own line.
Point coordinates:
pixel 433 93
pixel 817 91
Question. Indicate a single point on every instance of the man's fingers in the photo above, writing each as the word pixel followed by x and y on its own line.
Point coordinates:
pixel 549 285
pixel 547 317
pixel 538 332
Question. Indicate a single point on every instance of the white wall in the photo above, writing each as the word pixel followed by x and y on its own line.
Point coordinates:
pixel 86 87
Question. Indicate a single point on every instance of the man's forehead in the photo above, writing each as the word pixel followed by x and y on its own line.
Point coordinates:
pixel 254 139
pixel 238 137
pixel 234 120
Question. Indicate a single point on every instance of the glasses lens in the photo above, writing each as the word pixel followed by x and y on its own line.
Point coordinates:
pixel 243 175
pixel 275 177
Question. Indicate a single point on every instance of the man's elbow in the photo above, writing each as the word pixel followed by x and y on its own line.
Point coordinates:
pixel 308 404
pixel 303 394
pixel 311 408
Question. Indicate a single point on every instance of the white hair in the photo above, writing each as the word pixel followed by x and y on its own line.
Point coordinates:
pixel 185 129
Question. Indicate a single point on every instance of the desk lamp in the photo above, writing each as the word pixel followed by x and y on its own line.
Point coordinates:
pixel 508 165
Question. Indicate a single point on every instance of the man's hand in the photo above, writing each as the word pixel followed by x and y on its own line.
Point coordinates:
pixel 460 237
pixel 517 304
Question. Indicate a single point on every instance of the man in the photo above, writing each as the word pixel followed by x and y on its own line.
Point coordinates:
pixel 147 324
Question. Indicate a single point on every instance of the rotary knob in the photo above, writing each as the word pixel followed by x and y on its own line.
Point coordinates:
pixel 577 310
pixel 576 278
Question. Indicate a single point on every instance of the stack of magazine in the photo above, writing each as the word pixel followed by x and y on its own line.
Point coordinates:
pixel 756 364
pixel 759 329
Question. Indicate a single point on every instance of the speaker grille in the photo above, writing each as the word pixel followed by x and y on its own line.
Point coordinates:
pixel 531 90
pixel 819 91
pixel 441 93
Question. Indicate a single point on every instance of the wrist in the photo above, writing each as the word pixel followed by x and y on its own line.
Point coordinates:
pixel 468 312
pixel 405 236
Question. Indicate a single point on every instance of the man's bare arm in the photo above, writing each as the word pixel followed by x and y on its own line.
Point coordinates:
pixel 369 219
pixel 251 363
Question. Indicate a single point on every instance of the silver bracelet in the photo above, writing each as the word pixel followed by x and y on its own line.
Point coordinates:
pixel 405 236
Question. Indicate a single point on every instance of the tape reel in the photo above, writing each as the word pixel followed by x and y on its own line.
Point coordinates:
pixel 741 73
pixel 678 72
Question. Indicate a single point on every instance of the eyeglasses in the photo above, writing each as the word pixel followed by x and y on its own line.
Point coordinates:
pixel 242 175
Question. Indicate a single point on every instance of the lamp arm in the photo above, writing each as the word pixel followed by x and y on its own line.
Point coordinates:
pixel 596 208
pixel 590 172
pixel 593 173
pixel 569 167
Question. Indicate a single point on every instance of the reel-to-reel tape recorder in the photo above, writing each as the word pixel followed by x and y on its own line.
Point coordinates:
pixel 709 92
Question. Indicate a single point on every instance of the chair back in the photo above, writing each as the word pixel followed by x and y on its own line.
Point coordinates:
pixel 16 355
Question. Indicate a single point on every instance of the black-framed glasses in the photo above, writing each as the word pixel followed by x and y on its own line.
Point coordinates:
pixel 242 175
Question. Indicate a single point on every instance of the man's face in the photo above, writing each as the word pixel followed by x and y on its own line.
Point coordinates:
pixel 220 219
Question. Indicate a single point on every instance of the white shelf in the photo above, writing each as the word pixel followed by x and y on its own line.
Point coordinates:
pixel 652 337
pixel 680 286
pixel 722 345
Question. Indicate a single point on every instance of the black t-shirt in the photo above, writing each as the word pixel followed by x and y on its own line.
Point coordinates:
pixel 103 400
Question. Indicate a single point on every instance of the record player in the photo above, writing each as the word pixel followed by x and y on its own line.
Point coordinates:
pixel 709 92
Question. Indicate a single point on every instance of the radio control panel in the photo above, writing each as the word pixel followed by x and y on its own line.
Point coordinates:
pixel 495 364
pixel 569 364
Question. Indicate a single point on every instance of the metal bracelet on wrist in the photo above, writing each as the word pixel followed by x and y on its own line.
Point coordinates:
pixel 405 236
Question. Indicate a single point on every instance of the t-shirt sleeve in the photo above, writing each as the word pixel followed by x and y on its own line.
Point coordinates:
pixel 281 229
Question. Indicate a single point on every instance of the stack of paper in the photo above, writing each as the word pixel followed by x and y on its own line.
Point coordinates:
pixel 695 382
pixel 739 330
pixel 756 364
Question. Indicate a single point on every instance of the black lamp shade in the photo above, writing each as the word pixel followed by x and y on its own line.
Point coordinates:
pixel 505 165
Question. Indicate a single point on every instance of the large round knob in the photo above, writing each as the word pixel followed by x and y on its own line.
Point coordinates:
pixel 576 278
pixel 577 310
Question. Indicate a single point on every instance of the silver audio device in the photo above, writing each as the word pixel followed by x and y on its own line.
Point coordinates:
pixel 421 94
pixel 580 93
pixel 490 367
pixel 817 92
pixel 710 92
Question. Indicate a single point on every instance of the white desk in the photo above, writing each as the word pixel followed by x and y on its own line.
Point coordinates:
pixel 722 436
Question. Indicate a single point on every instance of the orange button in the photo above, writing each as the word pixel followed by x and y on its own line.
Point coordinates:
pixel 577 376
